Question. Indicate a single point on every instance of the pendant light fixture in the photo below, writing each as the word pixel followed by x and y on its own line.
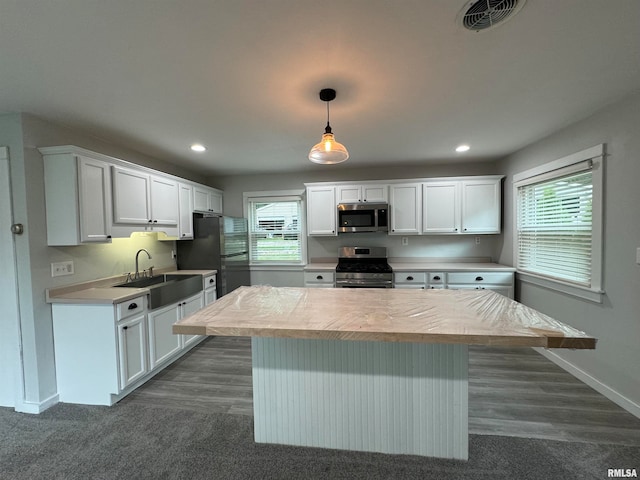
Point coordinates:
pixel 328 151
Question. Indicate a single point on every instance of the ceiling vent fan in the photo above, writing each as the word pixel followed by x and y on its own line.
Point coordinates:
pixel 481 15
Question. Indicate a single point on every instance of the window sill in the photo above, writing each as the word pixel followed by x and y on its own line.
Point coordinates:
pixel 292 267
pixel 595 296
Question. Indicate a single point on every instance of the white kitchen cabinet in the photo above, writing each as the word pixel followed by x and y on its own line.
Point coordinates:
pixel 188 307
pixel 403 279
pixel 209 286
pixel 405 204
pixel 501 282
pixel 321 210
pixel 185 207
pixel 163 344
pixel 471 206
pixel 319 279
pixel 441 207
pixel 78 198
pixel 481 206
pixel 132 350
pixel 371 193
pixel 145 202
pixel 207 200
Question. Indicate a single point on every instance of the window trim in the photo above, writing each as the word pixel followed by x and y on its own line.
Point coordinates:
pixel 595 157
pixel 279 195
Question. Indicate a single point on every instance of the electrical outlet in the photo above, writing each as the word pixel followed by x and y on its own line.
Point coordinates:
pixel 62 268
pixel 477 240
pixel 405 241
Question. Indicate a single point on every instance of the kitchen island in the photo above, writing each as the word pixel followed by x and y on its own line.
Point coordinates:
pixel 381 370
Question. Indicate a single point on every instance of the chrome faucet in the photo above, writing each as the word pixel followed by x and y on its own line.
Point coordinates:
pixel 137 274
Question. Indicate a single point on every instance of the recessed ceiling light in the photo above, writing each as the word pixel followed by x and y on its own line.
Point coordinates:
pixel 196 147
pixel 462 148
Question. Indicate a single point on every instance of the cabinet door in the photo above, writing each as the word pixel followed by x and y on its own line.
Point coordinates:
pixel 348 194
pixel 375 193
pixel 200 199
pixel 441 207
pixel 215 202
pixel 185 205
pixel 162 342
pixel 130 197
pixel 190 306
pixel 164 201
pixel 94 200
pixel 132 350
pixel 321 210
pixel 406 208
pixel 481 204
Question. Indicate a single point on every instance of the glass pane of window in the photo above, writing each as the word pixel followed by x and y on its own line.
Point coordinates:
pixel 274 231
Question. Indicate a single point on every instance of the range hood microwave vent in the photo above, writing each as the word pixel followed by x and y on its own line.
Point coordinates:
pixel 482 15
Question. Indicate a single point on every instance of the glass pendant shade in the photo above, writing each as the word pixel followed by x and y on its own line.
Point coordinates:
pixel 328 151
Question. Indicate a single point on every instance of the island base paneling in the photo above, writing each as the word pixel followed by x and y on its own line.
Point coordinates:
pixel 383 397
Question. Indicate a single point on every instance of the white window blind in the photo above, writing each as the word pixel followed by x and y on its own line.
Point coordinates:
pixel 554 227
pixel 275 230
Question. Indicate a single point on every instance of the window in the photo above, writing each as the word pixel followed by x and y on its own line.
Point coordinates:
pixel 558 224
pixel 275 234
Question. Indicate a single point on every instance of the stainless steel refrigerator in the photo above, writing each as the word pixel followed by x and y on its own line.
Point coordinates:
pixel 219 243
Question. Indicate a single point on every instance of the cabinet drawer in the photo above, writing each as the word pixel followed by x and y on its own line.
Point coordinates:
pixel 319 277
pixel 410 277
pixel 209 281
pixel 130 307
pixel 493 278
pixel 436 278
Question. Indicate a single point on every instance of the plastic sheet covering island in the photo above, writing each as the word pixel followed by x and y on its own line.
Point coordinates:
pixel 472 317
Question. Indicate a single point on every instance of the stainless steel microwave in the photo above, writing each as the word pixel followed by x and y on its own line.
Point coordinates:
pixel 363 217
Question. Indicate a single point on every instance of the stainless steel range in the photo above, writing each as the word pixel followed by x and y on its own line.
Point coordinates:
pixel 363 267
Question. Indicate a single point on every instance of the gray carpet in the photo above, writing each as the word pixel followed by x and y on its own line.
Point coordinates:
pixel 138 442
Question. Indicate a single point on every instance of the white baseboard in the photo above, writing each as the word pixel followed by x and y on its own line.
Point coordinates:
pixel 616 397
pixel 36 408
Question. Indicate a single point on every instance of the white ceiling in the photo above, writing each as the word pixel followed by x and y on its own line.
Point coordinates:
pixel 242 76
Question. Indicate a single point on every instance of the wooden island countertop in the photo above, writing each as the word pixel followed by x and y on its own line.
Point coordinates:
pixel 472 317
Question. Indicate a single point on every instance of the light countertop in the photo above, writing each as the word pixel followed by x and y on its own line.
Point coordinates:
pixel 102 291
pixel 479 317
pixel 422 266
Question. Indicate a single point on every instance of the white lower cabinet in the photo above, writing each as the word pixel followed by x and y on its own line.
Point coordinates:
pixel 103 352
pixel 319 279
pixel 132 350
pixel 500 282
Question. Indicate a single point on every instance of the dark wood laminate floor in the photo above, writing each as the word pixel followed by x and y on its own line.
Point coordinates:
pixel 512 392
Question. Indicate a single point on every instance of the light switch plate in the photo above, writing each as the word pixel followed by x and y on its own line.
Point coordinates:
pixel 638 255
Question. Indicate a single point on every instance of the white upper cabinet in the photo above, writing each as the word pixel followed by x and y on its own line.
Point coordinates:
pixel 372 193
pixel 321 210
pixel 185 206
pixel 207 199
pixel 481 206
pixel 131 197
pixel 441 207
pixel 78 198
pixel 405 204
pixel 143 199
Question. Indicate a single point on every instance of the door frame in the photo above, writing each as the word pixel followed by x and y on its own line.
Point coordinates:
pixel 12 373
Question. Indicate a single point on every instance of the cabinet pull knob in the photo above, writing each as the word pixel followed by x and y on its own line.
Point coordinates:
pixel 108 236
pixel 125 327
pixel 409 278
pixel 211 280
pixel 155 221
pixel 319 277
pixel 479 279
pixel 150 221
pixel 132 306
pixel 437 277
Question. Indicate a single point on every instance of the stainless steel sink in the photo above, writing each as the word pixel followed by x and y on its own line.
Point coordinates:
pixel 166 289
